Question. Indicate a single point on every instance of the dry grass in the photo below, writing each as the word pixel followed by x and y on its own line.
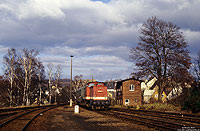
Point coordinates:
pixel 160 107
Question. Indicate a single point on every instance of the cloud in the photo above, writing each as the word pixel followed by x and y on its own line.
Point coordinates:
pixel 90 30
pixel 40 8
pixel 83 22
pixel 103 67
pixel 181 12
pixel 193 37
pixel 119 51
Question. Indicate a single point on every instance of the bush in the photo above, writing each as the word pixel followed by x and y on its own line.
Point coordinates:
pixel 160 107
pixel 193 101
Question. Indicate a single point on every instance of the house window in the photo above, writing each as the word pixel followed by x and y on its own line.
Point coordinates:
pixel 126 101
pixel 136 100
pixel 132 87
pixel 119 93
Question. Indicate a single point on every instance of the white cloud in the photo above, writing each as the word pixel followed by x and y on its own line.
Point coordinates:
pixel 136 11
pixel 3 49
pixel 193 37
pixel 65 9
pixel 118 51
pixel 6 7
pixel 102 66
pixel 41 8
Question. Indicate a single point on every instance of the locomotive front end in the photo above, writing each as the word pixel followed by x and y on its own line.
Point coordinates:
pixel 100 96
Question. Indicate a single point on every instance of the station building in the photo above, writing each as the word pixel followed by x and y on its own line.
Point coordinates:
pixel 128 92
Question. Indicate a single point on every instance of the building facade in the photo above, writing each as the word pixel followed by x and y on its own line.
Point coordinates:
pixel 128 92
pixel 111 91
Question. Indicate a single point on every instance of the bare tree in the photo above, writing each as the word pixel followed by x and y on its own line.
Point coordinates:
pixel 192 101
pixel 57 75
pixel 21 70
pixel 40 74
pixel 162 53
pixel 28 60
pixel 50 69
pixel 78 81
pixel 10 61
pixel 196 67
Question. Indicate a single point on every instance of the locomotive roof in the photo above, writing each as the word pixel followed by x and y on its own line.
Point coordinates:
pixel 88 84
pixel 94 82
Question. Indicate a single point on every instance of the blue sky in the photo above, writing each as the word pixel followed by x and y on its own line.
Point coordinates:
pixel 98 34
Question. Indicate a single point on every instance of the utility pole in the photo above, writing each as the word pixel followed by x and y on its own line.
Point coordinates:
pixel 71 83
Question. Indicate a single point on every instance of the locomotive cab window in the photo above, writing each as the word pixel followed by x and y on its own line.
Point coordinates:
pixel 132 87
pixel 100 84
pixel 90 85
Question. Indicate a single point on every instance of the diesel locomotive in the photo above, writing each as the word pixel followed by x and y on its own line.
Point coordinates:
pixel 93 95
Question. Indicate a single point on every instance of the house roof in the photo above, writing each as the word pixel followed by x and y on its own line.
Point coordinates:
pixel 130 79
pixel 153 85
pixel 119 83
pixel 168 90
pixel 148 92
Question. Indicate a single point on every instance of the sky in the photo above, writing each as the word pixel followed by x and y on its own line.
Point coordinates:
pixel 98 33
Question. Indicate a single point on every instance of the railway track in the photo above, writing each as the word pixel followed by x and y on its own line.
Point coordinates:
pixel 23 119
pixel 7 115
pixel 157 120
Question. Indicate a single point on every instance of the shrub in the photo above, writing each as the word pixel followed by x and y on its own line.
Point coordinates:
pixel 193 101
pixel 160 107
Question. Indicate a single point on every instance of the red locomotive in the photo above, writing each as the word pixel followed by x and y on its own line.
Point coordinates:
pixel 93 95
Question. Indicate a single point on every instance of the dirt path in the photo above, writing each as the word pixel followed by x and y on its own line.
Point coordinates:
pixel 64 119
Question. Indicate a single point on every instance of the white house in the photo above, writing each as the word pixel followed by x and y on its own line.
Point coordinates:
pixel 146 85
pixel 146 88
pixel 147 95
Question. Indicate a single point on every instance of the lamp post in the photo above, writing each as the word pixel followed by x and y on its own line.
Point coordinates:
pixel 71 83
